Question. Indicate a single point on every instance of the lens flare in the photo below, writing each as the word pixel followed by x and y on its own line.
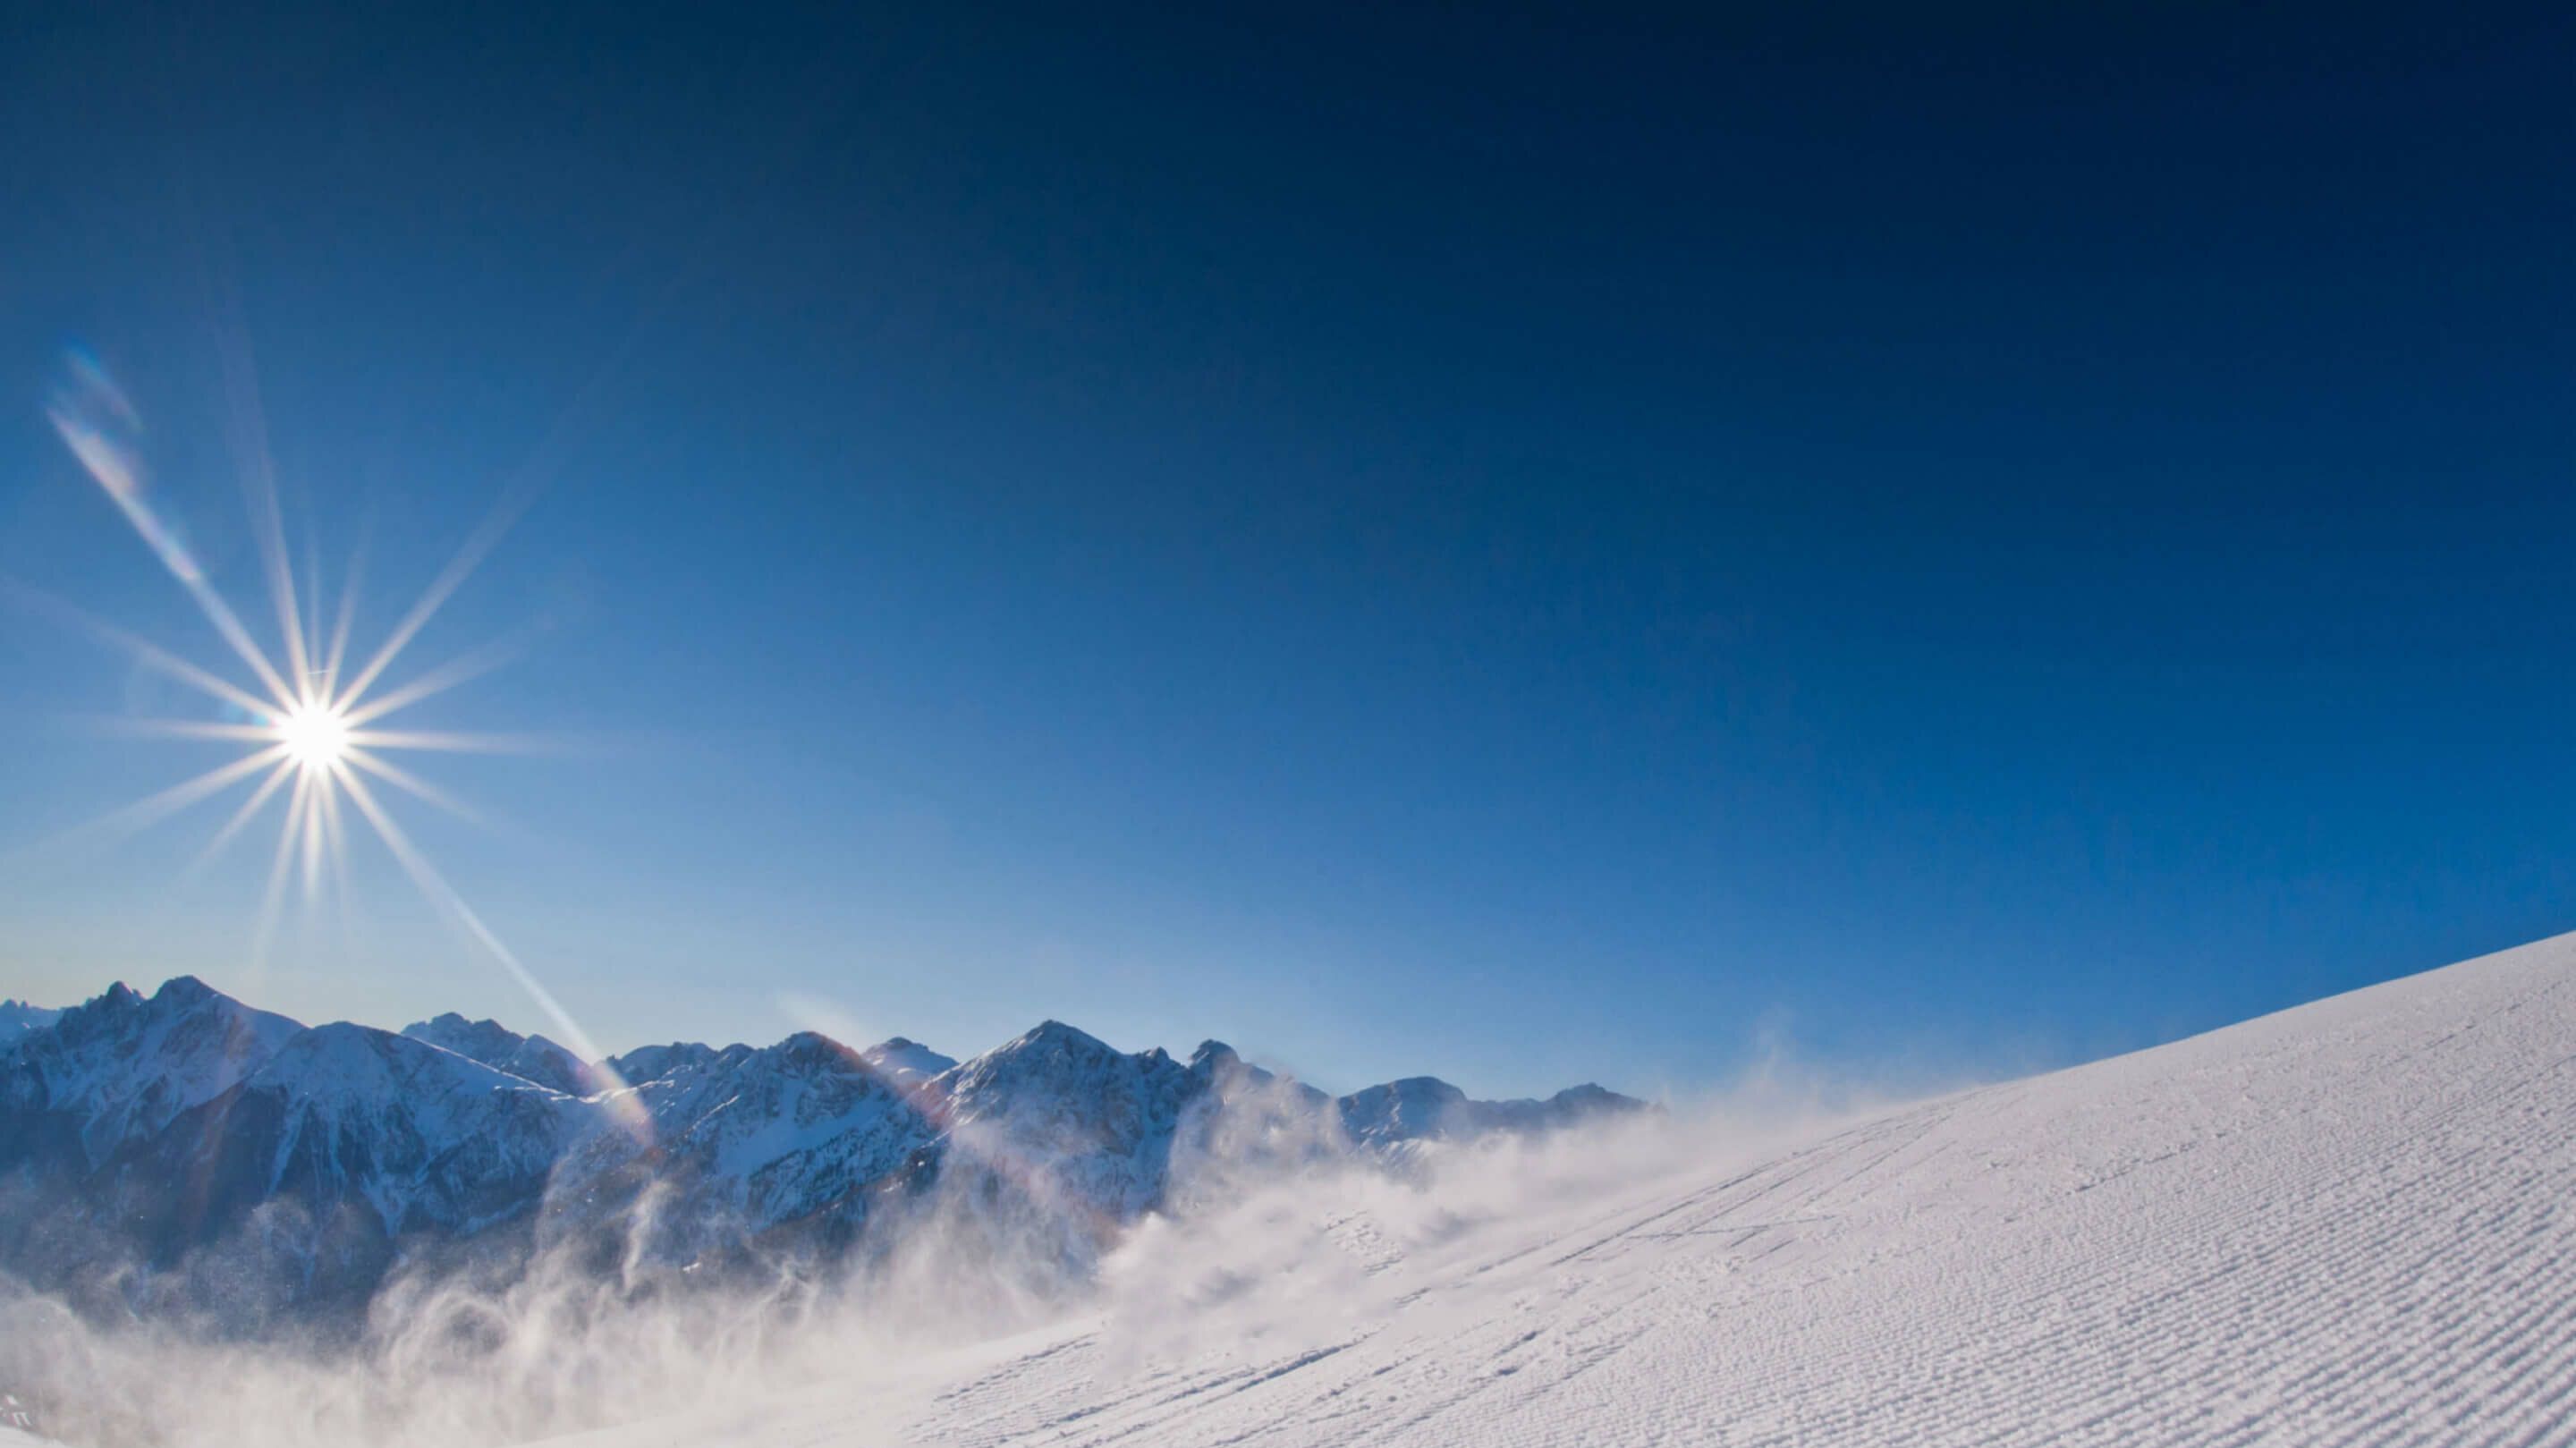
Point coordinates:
pixel 317 742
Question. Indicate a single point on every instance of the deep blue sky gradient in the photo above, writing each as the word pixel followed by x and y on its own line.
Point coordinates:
pixel 1530 548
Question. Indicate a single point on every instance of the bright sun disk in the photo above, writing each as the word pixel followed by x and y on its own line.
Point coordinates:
pixel 316 736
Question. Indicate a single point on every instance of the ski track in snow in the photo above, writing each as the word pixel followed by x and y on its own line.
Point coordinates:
pixel 2349 1223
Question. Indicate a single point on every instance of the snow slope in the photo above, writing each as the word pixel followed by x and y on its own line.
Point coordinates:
pixel 2349 1223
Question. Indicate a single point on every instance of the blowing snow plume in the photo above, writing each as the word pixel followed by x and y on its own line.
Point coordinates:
pixel 365 1236
pixel 1277 1250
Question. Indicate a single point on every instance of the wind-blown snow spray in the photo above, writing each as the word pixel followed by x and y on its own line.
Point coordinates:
pixel 1266 1241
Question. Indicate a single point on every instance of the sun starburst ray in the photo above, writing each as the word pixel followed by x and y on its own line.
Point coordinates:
pixel 463 668
pixel 142 814
pixel 486 536
pixel 415 786
pixel 313 738
pixel 144 652
pixel 341 627
pixel 455 741
pixel 335 847
pixel 310 611
pixel 95 422
pixel 444 895
pixel 184 729
pixel 272 899
pixel 278 775
pixel 239 637
pixel 246 419
pixel 311 857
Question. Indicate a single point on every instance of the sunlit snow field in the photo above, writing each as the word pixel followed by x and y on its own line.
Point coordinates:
pixel 2348 1223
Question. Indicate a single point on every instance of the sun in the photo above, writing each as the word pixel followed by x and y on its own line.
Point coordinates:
pixel 319 742
pixel 311 719
pixel 314 734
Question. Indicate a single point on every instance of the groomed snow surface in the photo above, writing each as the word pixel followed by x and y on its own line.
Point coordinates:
pixel 2350 1223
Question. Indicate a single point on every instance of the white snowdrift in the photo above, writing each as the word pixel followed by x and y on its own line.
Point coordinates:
pixel 2354 1222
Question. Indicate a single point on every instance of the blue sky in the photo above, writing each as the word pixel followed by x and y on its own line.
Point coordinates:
pixel 1525 548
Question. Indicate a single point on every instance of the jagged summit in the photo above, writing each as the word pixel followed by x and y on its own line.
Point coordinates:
pixel 464 1037
pixel 1053 1035
pixel 121 1066
pixel 531 1058
pixel 651 1063
pixel 344 1059
pixel 1413 1108
pixel 17 1018
pixel 1216 1058
pixel 188 1122
pixel 906 1060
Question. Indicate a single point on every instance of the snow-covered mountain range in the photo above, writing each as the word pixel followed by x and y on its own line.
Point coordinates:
pixel 256 1168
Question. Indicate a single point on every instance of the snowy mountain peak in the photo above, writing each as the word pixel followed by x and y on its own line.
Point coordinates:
pixel 19 1020
pixel 1053 1034
pixel 375 1134
pixel 906 1061
pixel 811 1046
pixel 183 990
pixel 531 1058
pixel 1420 1108
pixel 343 1061
pixel 120 1067
pixel 1412 1109
pixel 743 1140
pixel 1224 1073
pixel 482 1040
pixel 652 1063
pixel 1050 1056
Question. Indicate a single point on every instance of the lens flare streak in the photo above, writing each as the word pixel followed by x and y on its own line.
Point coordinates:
pixel 315 740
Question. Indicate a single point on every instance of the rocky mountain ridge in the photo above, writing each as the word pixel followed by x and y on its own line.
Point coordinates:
pixel 188 1148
